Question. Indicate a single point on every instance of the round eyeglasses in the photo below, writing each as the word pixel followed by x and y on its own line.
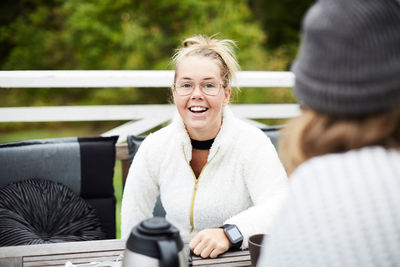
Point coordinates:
pixel 185 87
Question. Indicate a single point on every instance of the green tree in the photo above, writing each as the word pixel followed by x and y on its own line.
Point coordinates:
pixel 280 19
pixel 26 30
pixel 120 35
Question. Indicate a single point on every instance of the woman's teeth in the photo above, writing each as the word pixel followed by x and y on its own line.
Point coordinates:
pixel 197 109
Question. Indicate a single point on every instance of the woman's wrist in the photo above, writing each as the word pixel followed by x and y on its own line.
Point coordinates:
pixel 233 234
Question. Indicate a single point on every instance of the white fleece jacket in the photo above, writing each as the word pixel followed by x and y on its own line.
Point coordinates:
pixel 243 182
pixel 341 209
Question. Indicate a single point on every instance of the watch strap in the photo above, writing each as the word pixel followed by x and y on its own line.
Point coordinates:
pixel 235 245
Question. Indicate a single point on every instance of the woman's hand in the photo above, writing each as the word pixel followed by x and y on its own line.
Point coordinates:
pixel 210 243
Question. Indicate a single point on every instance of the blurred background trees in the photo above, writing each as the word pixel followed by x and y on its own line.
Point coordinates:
pixel 138 34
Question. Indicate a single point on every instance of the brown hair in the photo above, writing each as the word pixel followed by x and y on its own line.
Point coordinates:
pixel 313 134
pixel 220 50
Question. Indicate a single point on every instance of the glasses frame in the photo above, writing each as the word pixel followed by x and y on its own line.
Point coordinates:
pixel 220 84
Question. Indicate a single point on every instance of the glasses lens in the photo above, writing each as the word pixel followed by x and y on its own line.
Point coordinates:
pixel 184 88
pixel 210 87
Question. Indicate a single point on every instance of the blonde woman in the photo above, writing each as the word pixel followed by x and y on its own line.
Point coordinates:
pixel 220 179
pixel 343 152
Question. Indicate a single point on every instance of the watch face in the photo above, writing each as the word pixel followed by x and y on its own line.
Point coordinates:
pixel 234 234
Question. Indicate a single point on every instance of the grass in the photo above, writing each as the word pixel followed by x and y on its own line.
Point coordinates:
pixel 118 195
pixel 33 132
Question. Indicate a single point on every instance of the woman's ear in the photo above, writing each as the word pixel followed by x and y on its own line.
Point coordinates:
pixel 172 95
pixel 227 96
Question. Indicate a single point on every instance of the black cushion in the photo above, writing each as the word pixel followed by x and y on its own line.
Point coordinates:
pixel 41 211
pixel 97 156
pixel 85 165
pixel 105 210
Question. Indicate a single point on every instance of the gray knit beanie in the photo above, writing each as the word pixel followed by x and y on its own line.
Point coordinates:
pixel 349 60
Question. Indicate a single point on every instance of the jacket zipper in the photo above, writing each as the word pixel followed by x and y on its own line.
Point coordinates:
pixel 196 181
pixel 192 205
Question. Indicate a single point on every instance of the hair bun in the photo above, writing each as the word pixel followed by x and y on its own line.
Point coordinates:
pixel 220 50
pixel 190 41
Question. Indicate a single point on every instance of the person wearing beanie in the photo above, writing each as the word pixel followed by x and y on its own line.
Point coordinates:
pixel 343 152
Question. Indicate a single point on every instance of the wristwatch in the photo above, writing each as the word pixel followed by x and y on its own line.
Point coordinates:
pixel 233 234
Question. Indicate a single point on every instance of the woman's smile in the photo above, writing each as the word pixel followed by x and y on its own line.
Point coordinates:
pixel 198 109
pixel 201 112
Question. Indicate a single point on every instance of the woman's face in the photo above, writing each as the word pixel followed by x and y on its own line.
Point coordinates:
pixel 201 113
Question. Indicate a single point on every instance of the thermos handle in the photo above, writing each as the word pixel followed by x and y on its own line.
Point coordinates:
pixel 168 253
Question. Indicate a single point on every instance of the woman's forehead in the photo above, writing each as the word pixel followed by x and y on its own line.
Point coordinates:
pixel 198 67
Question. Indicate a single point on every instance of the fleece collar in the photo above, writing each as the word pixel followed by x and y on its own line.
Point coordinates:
pixel 224 137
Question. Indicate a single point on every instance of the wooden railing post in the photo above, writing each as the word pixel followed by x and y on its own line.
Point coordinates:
pixel 122 154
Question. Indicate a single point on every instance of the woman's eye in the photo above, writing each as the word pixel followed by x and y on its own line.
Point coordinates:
pixel 186 85
pixel 209 85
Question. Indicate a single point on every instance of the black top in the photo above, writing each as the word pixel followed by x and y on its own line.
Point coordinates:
pixel 202 145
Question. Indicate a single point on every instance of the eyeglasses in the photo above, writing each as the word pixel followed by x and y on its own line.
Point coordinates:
pixel 209 87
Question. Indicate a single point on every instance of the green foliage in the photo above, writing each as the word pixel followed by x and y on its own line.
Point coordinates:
pixel 280 19
pixel 120 34
pixel 135 34
pixel 266 95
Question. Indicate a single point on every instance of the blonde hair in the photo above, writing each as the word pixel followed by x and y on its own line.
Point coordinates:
pixel 313 134
pixel 220 50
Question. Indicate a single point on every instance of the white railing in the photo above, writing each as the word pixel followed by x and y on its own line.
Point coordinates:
pixel 127 78
pixel 142 117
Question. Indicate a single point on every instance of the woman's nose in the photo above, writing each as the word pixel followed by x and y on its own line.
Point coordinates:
pixel 197 92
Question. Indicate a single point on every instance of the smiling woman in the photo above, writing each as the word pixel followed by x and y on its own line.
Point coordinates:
pixel 213 172
pixel 201 112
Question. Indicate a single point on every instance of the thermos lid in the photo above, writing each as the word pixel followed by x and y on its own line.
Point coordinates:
pixel 144 236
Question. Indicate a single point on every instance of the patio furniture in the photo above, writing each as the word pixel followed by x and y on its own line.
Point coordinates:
pixel 39 211
pixel 84 165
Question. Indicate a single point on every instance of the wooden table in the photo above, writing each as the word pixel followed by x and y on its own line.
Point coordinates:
pixel 103 251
